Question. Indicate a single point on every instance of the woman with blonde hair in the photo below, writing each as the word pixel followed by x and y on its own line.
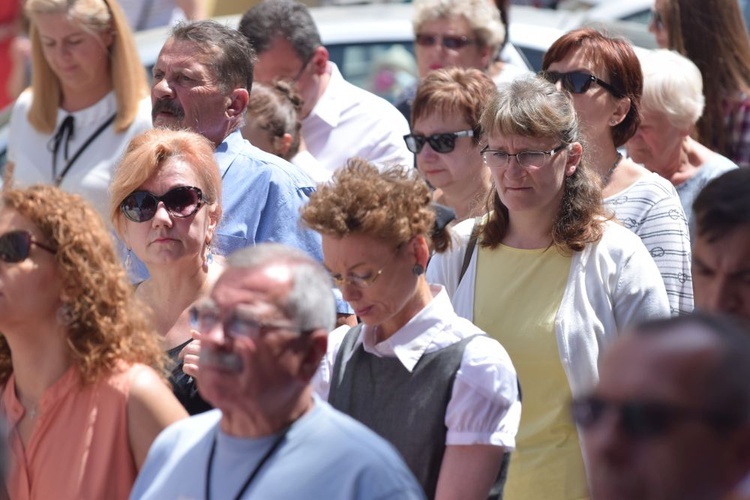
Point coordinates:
pixel 79 365
pixel 434 385
pixel 547 275
pixel 88 98
pixel 166 204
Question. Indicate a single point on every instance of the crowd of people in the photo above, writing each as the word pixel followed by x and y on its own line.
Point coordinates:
pixel 287 288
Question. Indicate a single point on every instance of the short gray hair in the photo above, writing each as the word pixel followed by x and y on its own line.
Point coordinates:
pixel 672 86
pixel 481 15
pixel 310 303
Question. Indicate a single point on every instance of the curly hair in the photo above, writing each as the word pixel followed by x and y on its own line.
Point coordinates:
pixel 108 325
pixel 533 107
pixel 394 205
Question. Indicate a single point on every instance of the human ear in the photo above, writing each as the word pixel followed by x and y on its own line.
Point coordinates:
pixel 282 144
pixel 319 60
pixel 622 107
pixel 316 346
pixel 575 152
pixel 238 100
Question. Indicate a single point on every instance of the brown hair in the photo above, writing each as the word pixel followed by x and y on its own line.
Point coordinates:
pixel 616 57
pixel 454 91
pixel 276 109
pixel 128 76
pixel 108 325
pixel 533 107
pixel 394 205
pixel 146 155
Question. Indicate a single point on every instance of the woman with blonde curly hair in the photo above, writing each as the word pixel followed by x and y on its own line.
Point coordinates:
pixel 79 366
pixel 88 98
pixel 443 393
pixel 547 275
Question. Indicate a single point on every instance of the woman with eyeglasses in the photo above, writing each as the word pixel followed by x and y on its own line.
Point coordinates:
pixel 712 34
pixel 547 275
pixel 441 391
pixel 603 76
pixel 166 203
pixel 80 368
pixel 88 98
pixel 445 137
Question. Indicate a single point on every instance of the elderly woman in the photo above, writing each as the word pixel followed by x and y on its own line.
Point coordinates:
pixel 88 98
pixel 570 279
pixel 712 34
pixel 604 77
pixel 166 203
pixel 76 354
pixel 430 382
pixel 671 105
pixel 445 137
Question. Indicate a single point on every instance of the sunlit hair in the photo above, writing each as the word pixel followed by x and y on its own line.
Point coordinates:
pixel 618 65
pixel 533 107
pixel 672 87
pixel 126 71
pixel 454 92
pixel 108 324
pixel 286 19
pixel 712 34
pixel 482 17
pixel 276 109
pixel 310 302
pixel 393 205
pixel 149 152
pixel 723 205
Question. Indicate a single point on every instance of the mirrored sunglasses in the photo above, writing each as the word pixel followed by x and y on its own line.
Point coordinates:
pixel 447 41
pixel 15 246
pixel 440 143
pixel 578 82
pixel 181 202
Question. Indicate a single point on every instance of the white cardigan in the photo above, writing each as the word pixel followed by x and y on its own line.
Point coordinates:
pixel 612 285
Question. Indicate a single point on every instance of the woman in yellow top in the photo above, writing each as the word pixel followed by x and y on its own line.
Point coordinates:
pixel 549 277
pixel 79 391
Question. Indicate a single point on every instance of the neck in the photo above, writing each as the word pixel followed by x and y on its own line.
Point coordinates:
pixel 76 100
pixel 529 231
pixel 259 420
pixel 468 200
pixel 690 160
pixel 419 300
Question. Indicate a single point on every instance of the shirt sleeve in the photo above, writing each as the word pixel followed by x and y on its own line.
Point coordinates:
pixel 485 407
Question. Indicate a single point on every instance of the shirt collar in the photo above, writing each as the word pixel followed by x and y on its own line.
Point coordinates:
pixel 228 150
pixel 328 109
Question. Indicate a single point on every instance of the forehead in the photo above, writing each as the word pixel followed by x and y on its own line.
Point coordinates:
pixel 279 61
pixel 579 58
pixel 729 252
pixel 454 25
pixel 184 53
pixel 265 286
pixel 59 25
pixel 11 220
pixel 173 172
pixel 439 121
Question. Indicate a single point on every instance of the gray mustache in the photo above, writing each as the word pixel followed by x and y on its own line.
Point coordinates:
pixel 225 360
pixel 168 105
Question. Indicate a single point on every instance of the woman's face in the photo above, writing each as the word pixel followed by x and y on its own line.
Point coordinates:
pixel 461 51
pixel 534 188
pixel 387 268
pixel 31 288
pixel 166 239
pixel 598 110
pixel 458 170
pixel 657 144
pixel 658 25
pixel 77 55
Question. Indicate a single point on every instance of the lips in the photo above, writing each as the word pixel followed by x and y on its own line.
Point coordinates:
pixel 363 311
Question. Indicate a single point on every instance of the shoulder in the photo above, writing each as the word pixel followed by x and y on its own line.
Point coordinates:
pixel 616 240
pixel 273 168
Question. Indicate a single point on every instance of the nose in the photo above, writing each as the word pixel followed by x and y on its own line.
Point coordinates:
pixel 604 440
pixel 161 89
pixel 162 217
pixel 350 292
pixel 214 335
pixel 721 296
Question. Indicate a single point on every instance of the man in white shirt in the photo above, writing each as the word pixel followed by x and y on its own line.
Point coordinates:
pixel 340 120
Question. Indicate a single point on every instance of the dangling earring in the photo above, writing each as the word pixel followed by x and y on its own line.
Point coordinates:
pixel 127 259
pixel 208 260
pixel 64 314
pixel 417 269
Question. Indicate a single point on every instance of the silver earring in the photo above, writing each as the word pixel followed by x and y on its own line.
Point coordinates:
pixel 417 269
pixel 127 259
pixel 64 314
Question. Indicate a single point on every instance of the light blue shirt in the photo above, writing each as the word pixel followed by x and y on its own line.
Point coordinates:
pixel 325 454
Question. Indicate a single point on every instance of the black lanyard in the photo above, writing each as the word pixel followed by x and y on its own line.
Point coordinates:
pixel 253 473
pixel 66 131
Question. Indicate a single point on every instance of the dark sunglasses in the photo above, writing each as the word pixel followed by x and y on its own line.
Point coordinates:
pixel 15 246
pixel 578 82
pixel 182 202
pixel 447 41
pixel 644 419
pixel 440 143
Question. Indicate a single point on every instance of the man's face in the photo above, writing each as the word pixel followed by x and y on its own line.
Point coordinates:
pixel 660 448
pixel 185 93
pixel 251 352
pixel 721 272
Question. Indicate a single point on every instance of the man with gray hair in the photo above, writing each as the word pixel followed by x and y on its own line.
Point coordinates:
pixel 264 331
pixel 670 417
pixel 340 120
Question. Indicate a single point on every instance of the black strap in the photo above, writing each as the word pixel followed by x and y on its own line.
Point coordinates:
pixel 66 129
pixel 469 249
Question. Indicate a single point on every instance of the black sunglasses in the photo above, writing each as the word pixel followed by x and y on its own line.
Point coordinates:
pixel 440 143
pixel 182 202
pixel 578 82
pixel 15 246
pixel 447 41
pixel 644 419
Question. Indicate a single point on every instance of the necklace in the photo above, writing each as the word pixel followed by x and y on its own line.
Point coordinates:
pixel 252 474
pixel 608 175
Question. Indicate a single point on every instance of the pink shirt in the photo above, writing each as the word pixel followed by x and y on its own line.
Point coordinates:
pixel 79 445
